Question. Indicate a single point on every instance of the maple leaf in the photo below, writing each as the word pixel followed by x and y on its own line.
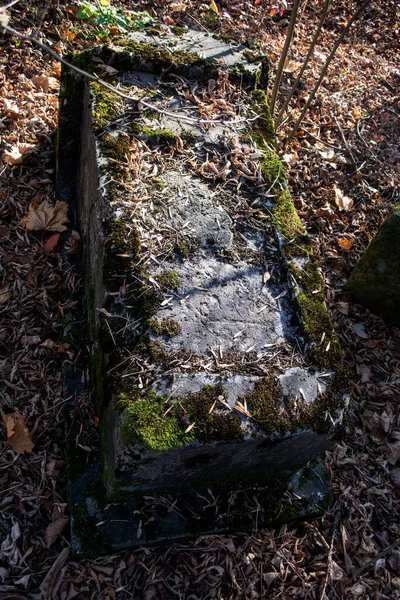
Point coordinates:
pixel 18 435
pixel 46 217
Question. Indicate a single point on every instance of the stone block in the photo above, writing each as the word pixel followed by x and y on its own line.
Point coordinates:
pixel 214 366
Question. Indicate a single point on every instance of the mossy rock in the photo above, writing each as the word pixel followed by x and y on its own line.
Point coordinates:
pixel 375 281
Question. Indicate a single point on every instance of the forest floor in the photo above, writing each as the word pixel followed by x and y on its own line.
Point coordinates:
pixel 344 176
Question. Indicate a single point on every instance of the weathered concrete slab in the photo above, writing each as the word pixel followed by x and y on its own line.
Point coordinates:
pixel 214 364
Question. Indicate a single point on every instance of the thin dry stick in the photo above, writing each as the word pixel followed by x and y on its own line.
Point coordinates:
pixel 325 68
pixel 282 59
pixel 116 91
pixel 305 63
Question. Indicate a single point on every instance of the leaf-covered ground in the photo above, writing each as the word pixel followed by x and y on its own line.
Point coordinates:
pixel 344 175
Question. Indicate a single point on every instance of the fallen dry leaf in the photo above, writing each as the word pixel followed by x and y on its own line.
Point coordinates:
pixel 214 7
pixel 345 244
pixel 44 83
pixel 5 295
pixel 394 450
pixel 15 155
pixel 50 580
pixel 73 245
pixel 18 435
pixel 52 242
pixel 342 202
pixel 54 530
pixel 4 16
pixel 46 217
pixel 395 477
pixel 10 108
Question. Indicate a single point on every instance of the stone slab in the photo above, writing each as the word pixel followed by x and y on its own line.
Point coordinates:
pixel 199 363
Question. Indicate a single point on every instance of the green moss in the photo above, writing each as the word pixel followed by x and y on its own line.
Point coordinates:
pixel 285 217
pixel 317 324
pixel 160 136
pixel 147 423
pixel 160 58
pixel 186 246
pixel 115 147
pixel 107 105
pixel 167 327
pixel 123 238
pixel 158 183
pixel 168 279
pixel 214 426
pixel 148 300
pixel 272 169
pixel 299 245
pixel 308 278
pixel 178 30
pixel 265 405
pixel 263 130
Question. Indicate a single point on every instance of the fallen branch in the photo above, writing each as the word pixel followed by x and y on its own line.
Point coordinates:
pixel 325 69
pixel 118 92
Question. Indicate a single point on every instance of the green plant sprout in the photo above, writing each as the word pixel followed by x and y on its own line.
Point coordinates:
pixel 102 16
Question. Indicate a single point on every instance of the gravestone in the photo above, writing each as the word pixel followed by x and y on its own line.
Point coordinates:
pixel 375 281
pixel 214 367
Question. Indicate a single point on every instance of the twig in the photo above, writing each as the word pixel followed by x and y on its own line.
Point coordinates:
pixel 9 5
pixel 285 50
pixel 345 143
pixel 325 69
pixel 305 63
pixel 335 526
pixel 358 571
pixel 116 91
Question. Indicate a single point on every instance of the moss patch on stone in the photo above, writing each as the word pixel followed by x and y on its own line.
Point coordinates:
pixel 168 280
pixel 263 130
pixel 214 425
pixel 167 327
pixel 265 405
pixel 115 147
pixel 286 219
pixel 326 352
pixel 107 105
pixel 160 426
pixel 147 423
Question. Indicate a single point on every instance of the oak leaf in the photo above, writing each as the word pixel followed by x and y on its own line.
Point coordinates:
pixel 46 217
pixel 18 435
